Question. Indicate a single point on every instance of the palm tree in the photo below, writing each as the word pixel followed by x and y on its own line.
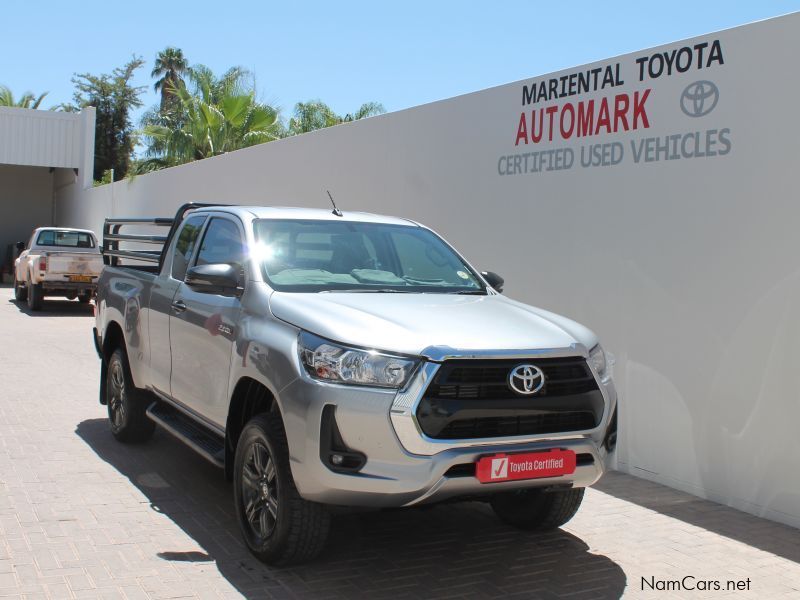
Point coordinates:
pixel 169 67
pixel 234 81
pixel 219 115
pixel 312 115
pixel 27 100
pixel 315 114
pixel 368 109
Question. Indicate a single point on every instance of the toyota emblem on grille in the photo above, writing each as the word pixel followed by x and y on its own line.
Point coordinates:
pixel 526 379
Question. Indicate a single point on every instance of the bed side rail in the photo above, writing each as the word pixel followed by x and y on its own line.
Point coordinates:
pixel 112 236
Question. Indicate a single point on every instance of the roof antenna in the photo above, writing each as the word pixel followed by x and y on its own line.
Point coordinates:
pixel 335 210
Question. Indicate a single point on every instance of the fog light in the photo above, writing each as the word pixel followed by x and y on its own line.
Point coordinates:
pixel 337 459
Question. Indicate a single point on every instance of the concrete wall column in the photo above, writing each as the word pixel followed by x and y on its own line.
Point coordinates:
pixel 86 168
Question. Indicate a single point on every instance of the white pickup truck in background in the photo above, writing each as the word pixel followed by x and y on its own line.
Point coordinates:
pixel 57 261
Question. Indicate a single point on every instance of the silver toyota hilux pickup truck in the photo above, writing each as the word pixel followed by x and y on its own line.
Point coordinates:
pixel 326 359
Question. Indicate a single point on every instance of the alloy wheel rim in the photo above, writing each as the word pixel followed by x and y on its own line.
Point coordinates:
pixel 117 400
pixel 260 491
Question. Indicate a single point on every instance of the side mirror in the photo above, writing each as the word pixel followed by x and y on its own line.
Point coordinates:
pixel 219 278
pixel 494 280
pixel 20 246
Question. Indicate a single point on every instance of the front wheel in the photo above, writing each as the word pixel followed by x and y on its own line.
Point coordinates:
pixel 278 526
pixel 537 510
pixel 126 405
pixel 20 292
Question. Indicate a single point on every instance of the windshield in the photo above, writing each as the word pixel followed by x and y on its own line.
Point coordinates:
pixel 68 239
pixel 322 256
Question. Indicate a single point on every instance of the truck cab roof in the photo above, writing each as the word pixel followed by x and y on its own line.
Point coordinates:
pixel 38 229
pixel 311 214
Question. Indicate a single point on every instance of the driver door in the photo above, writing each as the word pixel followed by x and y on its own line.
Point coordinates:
pixel 161 297
pixel 203 326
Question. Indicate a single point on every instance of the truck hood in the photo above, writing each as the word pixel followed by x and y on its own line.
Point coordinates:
pixel 417 323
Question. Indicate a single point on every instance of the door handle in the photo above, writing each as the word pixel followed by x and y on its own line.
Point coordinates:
pixel 179 306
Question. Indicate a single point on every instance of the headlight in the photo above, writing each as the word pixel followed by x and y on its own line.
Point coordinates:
pixel 332 362
pixel 601 363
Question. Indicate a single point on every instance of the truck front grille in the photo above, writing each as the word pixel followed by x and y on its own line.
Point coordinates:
pixel 472 399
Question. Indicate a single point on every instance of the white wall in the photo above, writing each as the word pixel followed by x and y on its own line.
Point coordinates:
pixel 40 137
pixel 26 202
pixel 42 153
pixel 689 269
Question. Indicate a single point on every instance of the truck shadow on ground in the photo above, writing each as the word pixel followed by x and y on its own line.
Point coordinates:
pixel 452 550
pixel 748 529
pixel 57 308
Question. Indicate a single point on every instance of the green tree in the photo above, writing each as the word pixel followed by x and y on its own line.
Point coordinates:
pixel 169 69
pixel 315 114
pixel 213 115
pixel 27 100
pixel 312 115
pixel 113 97
pixel 368 109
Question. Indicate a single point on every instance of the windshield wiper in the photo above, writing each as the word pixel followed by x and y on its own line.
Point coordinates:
pixel 431 290
pixel 368 291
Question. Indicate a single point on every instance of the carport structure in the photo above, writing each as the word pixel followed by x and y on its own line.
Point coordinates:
pixel 40 152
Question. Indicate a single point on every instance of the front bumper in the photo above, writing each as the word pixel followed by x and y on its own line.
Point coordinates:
pixel 403 467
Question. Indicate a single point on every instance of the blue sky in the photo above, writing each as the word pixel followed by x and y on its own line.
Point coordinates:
pixel 399 53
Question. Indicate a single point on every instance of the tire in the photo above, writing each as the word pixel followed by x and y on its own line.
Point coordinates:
pixel 35 296
pixel 537 510
pixel 20 292
pixel 282 528
pixel 127 406
pixel 84 298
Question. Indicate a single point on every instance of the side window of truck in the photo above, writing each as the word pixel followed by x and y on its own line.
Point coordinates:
pixel 184 247
pixel 222 243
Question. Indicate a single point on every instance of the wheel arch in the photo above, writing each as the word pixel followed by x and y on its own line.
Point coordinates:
pixel 113 338
pixel 250 397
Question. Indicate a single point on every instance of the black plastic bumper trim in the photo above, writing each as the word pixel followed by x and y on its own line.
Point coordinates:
pixel 332 445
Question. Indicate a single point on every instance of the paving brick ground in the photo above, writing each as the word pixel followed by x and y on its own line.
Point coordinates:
pixel 82 516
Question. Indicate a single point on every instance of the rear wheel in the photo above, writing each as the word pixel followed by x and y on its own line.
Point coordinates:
pixel 35 296
pixel 84 298
pixel 537 510
pixel 127 406
pixel 278 526
pixel 20 291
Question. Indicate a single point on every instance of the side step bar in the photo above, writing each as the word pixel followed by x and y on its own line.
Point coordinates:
pixel 208 444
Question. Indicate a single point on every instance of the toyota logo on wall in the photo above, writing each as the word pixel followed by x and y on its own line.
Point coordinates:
pixel 526 379
pixel 699 98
